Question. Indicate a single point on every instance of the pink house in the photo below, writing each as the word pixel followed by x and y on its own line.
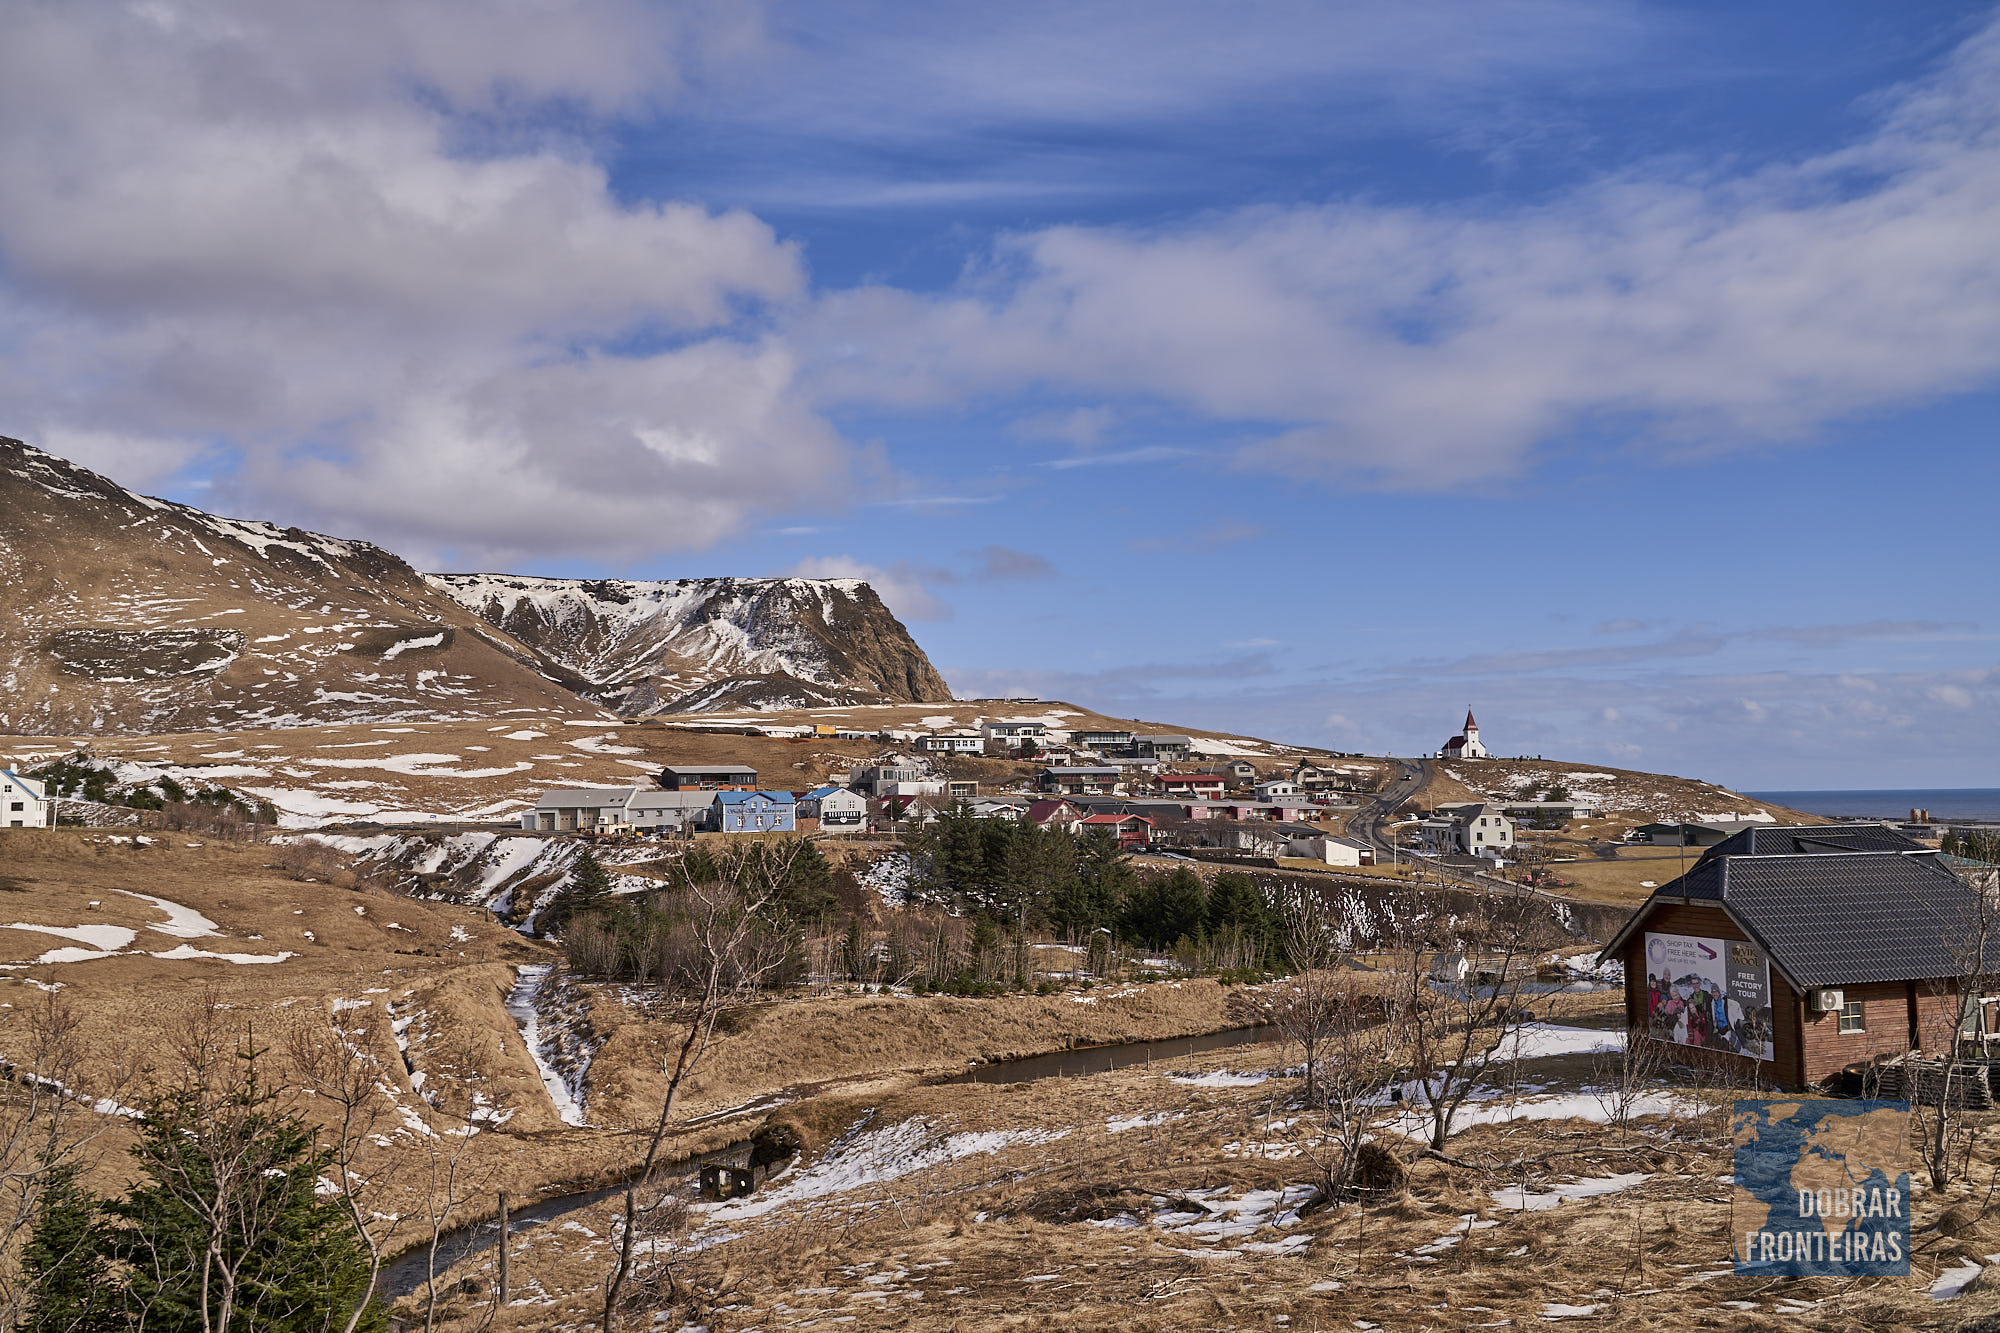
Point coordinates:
pixel 1191 784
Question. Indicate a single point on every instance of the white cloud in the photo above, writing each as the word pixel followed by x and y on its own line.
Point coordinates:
pixel 903 587
pixel 1426 346
pixel 266 225
pixel 963 106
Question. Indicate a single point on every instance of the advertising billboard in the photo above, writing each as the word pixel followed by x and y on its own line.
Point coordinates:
pixel 1715 994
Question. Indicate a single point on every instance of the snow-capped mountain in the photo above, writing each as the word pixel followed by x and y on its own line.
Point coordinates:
pixel 696 645
pixel 123 613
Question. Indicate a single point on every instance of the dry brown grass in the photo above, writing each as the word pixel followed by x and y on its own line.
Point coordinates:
pixel 1015 1240
pixel 1623 879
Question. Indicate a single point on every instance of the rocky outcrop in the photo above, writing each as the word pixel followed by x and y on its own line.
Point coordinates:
pixel 700 645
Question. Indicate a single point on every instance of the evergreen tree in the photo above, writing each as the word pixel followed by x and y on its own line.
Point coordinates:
pixel 65 1261
pixel 588 889
pixel 1235 903
pixel 805 894
pixel 1105 881
pixel 229 1215
pixel 589 882
pixel 1183 907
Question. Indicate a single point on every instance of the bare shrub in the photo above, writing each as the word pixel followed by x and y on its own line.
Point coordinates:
pixel 49 1121
pixel 312 862
pixel 1621 1079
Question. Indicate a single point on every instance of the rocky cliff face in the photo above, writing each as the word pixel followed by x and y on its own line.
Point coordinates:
pixel 123 613
pixel 695 645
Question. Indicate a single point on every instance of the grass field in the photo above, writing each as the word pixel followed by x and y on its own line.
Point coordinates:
pixel 1623 879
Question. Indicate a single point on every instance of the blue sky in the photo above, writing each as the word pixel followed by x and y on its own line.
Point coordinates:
pixel 1625 371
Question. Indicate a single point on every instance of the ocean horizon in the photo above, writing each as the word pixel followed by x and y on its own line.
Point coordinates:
pixel 1980 804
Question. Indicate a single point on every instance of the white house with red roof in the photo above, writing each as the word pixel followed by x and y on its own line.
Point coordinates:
pixel 1465 745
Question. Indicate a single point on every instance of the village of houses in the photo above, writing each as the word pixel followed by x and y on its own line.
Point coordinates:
pixel 1144 789
pixel 1148 790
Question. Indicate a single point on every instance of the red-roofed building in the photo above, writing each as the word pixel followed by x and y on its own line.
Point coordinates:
pixel 1465 746
pixel 1055 814
pixel 1131 830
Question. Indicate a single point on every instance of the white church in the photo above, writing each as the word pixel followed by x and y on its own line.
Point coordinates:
pixel 1465 746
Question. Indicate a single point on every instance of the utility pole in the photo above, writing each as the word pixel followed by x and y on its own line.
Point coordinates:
pixel 503 1248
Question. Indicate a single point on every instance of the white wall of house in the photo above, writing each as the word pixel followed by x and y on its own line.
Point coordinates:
pixel 1332 851
pixel 838 809
pixel 952 744
pixel 24 802
pixel 1490 834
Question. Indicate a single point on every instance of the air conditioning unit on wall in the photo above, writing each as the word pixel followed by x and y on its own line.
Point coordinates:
pixel 1825 1001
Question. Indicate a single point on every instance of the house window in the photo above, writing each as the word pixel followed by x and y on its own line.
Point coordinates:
pixel 1852 1017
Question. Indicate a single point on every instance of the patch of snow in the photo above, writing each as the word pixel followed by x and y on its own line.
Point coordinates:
pixel 183 951
pixel 182 922
pixel 875 1158
pixel 1535 1041
pixel 1221 1078
pixel 104 938
pixel 528 981
pixel 408 645
pixel 1952 1282
pixel 1141 1121
pixel 1522 1200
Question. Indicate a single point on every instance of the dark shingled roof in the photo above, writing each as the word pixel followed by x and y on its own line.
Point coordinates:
pixel 1799 840
pixel 1832 917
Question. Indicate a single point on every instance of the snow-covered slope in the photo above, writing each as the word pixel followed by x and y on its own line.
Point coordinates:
pixel 690 645
pixel 122 613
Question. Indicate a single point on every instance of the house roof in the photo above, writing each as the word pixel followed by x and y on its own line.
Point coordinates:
pixel 1114 819
pixel 645 799
pixel 703 770
pixel 1043 810
pixel 743 797
pixel 1205 778
pixel 566 797
pixel 1838 917
pixel 1166 740
pixel 1807 839
pixel 821 793
pixel 28 785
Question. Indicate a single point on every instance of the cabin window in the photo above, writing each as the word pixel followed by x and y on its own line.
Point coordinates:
pixel 1853 1017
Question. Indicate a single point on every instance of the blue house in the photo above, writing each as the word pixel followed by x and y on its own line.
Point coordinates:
pixel 755 812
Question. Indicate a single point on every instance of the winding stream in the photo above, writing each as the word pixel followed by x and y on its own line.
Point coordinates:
pixel 1086 1060
pixel 405 1275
